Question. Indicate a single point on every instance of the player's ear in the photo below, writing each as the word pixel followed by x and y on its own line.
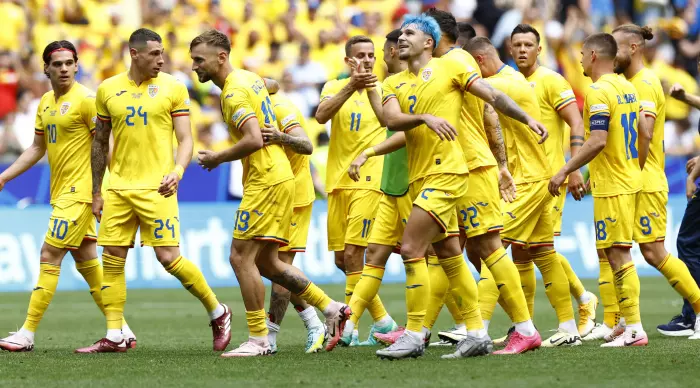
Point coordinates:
pixel 223 57
pixel 539 49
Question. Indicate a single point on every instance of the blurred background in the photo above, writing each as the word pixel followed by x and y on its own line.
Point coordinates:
pixel 300 43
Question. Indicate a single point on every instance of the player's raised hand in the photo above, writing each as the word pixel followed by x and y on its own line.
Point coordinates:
pixel 270 134
pixel 556 182
pixel 442 127
pixel 359 77
pixel 207 159
pixel 169 184
pixel 577 187
pixel 506 185
pixel 689 166
pixel 354 170
pixel 98 204
pixel 539 129
pixel 677 91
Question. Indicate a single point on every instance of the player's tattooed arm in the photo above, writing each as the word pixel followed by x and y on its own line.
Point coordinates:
pixel 572 116
pixel 296 139
pixel 99 153
pixel 590 149
pixel 507 106
pixel 494 134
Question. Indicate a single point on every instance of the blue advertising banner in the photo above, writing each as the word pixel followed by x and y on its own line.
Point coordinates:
pixel 206 240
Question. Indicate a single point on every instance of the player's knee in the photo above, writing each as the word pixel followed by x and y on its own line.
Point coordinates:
pixel 411 251
pixel 340 260
pixel 652 254
pixel 166 256
pixel 51 255
pixel 353 257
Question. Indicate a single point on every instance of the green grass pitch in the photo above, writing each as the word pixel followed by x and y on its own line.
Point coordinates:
pixel 174 349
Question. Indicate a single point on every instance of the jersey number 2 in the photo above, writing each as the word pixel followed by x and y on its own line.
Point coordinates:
pixel 630 135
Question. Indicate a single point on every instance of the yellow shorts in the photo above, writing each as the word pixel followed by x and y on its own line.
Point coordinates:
pixel 266 214
pixel 350 217
pixel 529 220
pixel 390 221
pixel 559 210
pixel 614 220
pixel 650 217
pixel 299 229
pixel 479 211
pixel 126 211
pixel 70 223
pixel 438 195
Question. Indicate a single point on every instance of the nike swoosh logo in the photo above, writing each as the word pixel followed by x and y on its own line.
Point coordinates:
pixel 633 342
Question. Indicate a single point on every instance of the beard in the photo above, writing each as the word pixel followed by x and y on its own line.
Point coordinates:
pixel 621 64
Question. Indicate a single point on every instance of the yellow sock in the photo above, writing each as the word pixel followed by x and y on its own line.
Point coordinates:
pixel 606 287
pixel 91 271
pixel 315 297
pixel 505 307
pixel 488 293
pixel 365 290
pixel 256 323
pixel 438 289
pixel 507 279
pixel 417 292
pixel 556 285
pixel 528 282
pixel 113 290
pixel 464 290
pixel 42 294
pixel 351 279
pixel 192 279
pixel 376 309
pixel 453 309
pixel 680 279
pixel 627 285
pixel 575 286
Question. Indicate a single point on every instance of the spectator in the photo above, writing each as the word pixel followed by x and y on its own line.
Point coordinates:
pixel 307 77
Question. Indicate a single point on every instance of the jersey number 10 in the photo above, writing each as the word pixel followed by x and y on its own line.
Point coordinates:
pixel 630 135
pixel 51 129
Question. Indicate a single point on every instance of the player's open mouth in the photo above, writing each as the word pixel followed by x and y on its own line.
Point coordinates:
pixel 403 46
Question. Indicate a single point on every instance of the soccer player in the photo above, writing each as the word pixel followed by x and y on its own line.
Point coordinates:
pixel 557 109
pixel 65 124
pixel 142 108
pixel 354 107
pixel 612 113
pixel 264 216
pixel 393 209
pixel 479 211
pixel 425 100
pixel 291 135
pixel 650 217
pixel 528 220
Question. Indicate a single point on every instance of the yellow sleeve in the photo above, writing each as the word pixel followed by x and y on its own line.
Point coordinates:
pixel 462 74
pixel 597 109
pixel 288 117
pixel 329 90
pixel 237 108
pixel 101 104
pixel 38 123
pixel 387 91
pixel 88 112
pixel 648 98
pixel 559 93
pixel 181 100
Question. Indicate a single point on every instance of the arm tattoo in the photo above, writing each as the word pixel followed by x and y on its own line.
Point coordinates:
pixel 508 107
pixel 279 300
pixel 299 145
pixel 495 135
pixel 291 279
pixel 576 138
pixel 576 144
pixel 100 149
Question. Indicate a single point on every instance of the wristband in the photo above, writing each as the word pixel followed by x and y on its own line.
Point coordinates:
pixel 369 152
pixel 179 170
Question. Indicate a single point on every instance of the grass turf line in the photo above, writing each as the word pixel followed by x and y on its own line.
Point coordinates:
pixel 174 349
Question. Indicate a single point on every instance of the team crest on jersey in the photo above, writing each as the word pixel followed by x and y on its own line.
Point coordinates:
pixel 426 74
pixel 64 108
pixel 152 90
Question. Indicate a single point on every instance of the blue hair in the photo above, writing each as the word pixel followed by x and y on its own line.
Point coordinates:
pixel 425 23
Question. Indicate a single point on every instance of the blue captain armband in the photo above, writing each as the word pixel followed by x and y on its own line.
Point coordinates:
pixel 599 122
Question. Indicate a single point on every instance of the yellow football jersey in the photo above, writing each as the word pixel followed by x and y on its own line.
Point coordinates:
pixel 475 145
pixel 652 99
pixel 353 129
pixel 67 125
pixel 612 105
pixel 437 89
pixel 527 160
pixel 142 125
pixel 288 118
pixel 553 94
pixel 244 97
